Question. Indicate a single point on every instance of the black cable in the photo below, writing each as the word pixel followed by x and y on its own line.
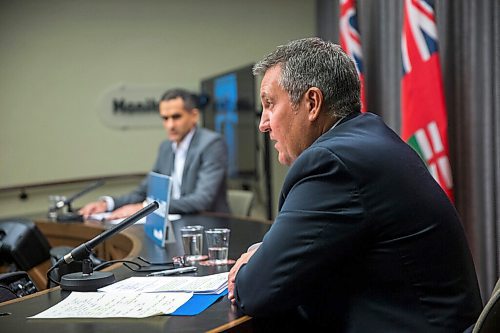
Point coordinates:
pixel 108 263
pixel 96 268
pixel 50 279
pixel 165 263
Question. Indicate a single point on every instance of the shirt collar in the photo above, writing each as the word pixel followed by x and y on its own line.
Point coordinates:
pixel 336 123
pixel 184 144
pixel 346 117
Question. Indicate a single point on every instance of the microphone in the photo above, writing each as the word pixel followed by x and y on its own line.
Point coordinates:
pixel 89 280
pixel 67 202
pixel 70 216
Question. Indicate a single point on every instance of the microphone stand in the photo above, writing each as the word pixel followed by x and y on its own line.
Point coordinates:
pixel 71 216
pixel 88 280
pixel 68 201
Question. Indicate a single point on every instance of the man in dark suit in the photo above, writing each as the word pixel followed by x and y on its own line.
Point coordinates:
pixel 196 158
pixel 365 239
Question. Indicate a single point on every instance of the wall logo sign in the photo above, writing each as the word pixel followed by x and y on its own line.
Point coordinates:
pixel 121 105
pixel 131 106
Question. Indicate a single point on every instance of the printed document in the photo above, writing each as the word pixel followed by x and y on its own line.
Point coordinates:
pixel 110 305
pixel 101 217
pixel 209 284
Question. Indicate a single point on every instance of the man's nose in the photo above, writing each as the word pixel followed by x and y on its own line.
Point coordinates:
pixel 168 123
pixel 264 122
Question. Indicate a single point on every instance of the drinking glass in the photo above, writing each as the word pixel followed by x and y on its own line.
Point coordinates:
pixel 218 245
pixel 192 242
pixel 54 211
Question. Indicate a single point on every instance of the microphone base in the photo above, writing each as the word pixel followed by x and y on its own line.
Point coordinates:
pixel 80 282
pixel 69 217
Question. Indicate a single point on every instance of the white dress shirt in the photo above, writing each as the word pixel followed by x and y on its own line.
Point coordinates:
pixel 180 151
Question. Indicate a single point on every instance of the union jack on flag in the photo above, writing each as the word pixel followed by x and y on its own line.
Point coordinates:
pixel 350 40
pixel 424 118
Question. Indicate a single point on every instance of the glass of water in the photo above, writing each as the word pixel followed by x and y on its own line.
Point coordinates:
pixel 192 242
pixel 54 211
pixel 218 245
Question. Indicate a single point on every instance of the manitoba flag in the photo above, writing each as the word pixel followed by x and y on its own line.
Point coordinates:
pixel 424 120
pixel 350 40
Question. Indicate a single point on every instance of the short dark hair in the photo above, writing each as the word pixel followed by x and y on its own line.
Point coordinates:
pixel 313 62
pixel 190 99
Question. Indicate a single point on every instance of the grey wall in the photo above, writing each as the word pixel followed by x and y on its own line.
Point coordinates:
pixel 58 58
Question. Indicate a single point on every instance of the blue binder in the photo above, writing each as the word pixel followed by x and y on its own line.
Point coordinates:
pixel 159 187
pixel 197 304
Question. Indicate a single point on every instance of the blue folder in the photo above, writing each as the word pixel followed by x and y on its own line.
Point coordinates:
pixel 197 304
pixel 159 187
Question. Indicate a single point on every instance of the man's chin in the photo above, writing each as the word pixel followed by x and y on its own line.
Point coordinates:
pixel 284 160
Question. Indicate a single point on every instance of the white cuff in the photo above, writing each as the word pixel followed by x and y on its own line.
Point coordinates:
pixel 254 247
pixel 110 203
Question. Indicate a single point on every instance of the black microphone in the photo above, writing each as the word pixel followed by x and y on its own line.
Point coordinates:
pixel 67 202
pixel 91 281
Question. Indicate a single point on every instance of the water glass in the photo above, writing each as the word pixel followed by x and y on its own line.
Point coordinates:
pixel 192 241
pixel 54 211
pixel 218 245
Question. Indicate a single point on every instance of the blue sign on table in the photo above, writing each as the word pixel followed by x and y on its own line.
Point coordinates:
pixel 159 187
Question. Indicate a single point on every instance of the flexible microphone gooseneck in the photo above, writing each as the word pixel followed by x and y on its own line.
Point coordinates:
pixel 62 203
pixel 91 281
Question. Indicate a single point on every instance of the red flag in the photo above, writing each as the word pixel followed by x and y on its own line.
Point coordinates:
pixel 350 40
pixel 424 119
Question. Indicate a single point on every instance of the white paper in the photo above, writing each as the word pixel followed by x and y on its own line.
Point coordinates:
pixel 104 217
pixel 110 305
pixel 209 284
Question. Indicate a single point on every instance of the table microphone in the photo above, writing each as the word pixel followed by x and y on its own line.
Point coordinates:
pixel 70 216
pixel 87 280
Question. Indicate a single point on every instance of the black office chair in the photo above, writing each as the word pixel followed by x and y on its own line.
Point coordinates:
pixel 489 319
pixel 14 285
pixel 6 294
pixel 22 244
pixel 22 247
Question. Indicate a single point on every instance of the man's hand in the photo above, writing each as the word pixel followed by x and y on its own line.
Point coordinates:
pixel 232 273
pixel 125 211
pixel 93 208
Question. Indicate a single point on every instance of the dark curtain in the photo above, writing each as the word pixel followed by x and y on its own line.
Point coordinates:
pixel 469 46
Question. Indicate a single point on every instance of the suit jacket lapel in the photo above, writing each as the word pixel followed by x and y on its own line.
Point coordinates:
pixel 191 153
pixel 170 161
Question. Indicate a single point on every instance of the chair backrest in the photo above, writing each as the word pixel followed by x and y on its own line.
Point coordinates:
pixel 22 243
pixel 240 202
pixel 6 294
pixel 14 285
pixel 489 319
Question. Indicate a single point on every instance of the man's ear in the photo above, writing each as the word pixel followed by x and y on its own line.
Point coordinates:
pixel 196 114
pixel 314 102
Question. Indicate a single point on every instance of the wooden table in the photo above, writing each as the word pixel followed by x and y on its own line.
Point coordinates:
pixel 220 317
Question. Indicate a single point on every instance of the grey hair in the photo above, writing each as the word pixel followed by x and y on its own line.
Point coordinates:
pixel 313 62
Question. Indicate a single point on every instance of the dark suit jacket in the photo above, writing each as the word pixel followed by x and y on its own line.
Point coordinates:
pixel 365 241
pixel 204 178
